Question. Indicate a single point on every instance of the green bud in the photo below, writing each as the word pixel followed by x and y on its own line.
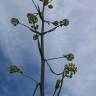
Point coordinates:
pixel 50 6
pixel 57 84
pixel 69 56
pixel 14 21
pixel 65 22
pixel 35 37
pixel 61 23
pixel 55 23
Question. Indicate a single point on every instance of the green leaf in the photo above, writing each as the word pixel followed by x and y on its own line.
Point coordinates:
pixel 14 69
pixel 14 21
pixel 32 18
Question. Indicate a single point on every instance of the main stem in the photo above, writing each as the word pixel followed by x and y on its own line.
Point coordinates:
pixel 42 59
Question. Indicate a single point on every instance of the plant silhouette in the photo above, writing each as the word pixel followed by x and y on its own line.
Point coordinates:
pixel 38 35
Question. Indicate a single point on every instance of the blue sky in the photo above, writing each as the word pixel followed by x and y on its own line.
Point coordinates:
pixel 17 47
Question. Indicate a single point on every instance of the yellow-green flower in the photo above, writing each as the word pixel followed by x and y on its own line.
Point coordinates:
pixel 32 18
pixel 14 69
pixel 70 70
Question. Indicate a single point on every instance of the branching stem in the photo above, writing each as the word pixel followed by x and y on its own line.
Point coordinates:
pixel 35 89
pixel 30 78
pixel 34 31
pixel 51 30
pixel 52 69
pixel 42 79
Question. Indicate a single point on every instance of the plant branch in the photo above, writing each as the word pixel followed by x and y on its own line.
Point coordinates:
pixel 63 75
pixel 51 30
pixel 30 78
pixel 48 22
pixel 38 9
pixel 34 31
pixel 54 92
pixel 39 12
pixel 52 69
pixel 53 58
pixel 42 79
pixel 46 60
pixel 35 89
pixel 39 48
pixel 37 83
pixel 40 15
pixel 35 5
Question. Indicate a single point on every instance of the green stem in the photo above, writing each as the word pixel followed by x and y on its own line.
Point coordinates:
pixel 42 59
pixel 53 58
pixel 52 70
pixel 30 77
pixel 35 89
pixel 54 92
pixel 32 30
pixel 51 30
pixel 63 75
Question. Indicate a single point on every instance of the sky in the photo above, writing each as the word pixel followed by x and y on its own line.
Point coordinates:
pixel 17 47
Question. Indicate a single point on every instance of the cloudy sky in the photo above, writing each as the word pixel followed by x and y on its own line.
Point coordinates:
pixel 17 47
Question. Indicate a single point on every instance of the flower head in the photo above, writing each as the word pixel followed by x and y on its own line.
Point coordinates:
pixel 70 70
pixel 32 18
pixel 14 69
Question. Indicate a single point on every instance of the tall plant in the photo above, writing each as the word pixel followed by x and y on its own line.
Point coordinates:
pixel 33 18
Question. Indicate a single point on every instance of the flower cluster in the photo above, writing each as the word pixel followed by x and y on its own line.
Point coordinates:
pixel 70 69
pixel 14 69
pixel 64 22
pixel 32 18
